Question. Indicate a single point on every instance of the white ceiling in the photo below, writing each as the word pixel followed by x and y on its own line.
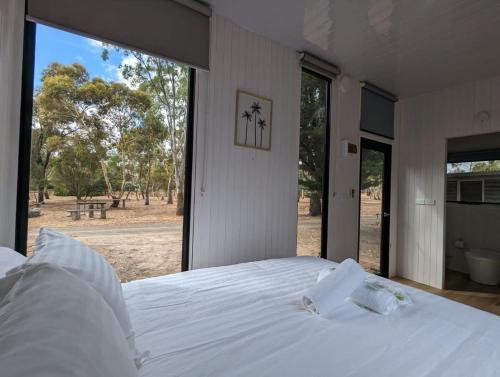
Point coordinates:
pixel 404 46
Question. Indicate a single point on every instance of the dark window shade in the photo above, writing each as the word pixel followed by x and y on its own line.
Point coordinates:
pixel 171 29
pixel 471 191
pixel 377 114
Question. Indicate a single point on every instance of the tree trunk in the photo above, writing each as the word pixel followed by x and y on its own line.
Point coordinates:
pixel 146 200
pixel 315 205
pixel 104 169
pixel 180 204
pixel 41 195
pixel 170 198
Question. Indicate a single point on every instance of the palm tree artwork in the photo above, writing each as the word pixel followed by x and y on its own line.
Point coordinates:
pixel 262 124
pixel 255 111
pixel 248 116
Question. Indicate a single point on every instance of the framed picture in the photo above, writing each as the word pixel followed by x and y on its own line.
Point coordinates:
pixel 253 121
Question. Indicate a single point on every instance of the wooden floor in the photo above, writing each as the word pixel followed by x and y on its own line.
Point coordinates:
pixel 489 302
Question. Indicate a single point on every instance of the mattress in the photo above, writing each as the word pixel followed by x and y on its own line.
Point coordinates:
pixel 247 320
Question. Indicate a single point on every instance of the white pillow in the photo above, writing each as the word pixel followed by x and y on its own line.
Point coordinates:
pixel 53 324
pixel 87 264
pixel 9 259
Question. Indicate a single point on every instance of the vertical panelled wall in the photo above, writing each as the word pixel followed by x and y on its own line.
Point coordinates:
pixel 344 175
pixel 344 171
pixel 426 121
pixel 11 50
pixel 245 200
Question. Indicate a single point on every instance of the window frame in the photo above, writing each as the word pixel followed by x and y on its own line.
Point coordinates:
pixel 326 167
pixel 25 130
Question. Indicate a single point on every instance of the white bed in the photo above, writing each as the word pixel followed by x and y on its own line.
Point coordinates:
pixel 247 320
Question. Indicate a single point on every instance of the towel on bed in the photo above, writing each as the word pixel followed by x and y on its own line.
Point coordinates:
pixel 324 273
pixel 328 294
pixel 379 298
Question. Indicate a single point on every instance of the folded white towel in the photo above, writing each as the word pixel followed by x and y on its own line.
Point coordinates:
pixel 324 273
pixel 379 297
pixel 328 294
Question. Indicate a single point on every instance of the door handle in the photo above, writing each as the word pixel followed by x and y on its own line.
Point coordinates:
pixel 386 214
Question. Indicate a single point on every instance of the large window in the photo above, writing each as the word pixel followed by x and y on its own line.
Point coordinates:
pixel 109 152
pixel 313 165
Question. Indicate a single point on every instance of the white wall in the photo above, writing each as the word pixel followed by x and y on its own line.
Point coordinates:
pixel 426 121
pixel 477 225
pixel 344 171
pixel 244 200
pixel 11 47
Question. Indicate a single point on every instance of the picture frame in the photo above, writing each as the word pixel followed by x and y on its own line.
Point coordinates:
pixel 253 121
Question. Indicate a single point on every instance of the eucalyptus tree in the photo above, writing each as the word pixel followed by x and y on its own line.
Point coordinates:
pixel 66 103
pixel 76 166
pixel 167 83
pixel 123 111
pixel 146 149
pixel 312 141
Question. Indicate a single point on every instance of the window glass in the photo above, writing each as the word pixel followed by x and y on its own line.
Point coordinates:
pixel 471 191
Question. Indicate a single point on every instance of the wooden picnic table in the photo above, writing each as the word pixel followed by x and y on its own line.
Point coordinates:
pixel 88 206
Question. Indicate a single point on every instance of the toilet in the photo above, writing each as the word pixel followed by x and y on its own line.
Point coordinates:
pixel 484 266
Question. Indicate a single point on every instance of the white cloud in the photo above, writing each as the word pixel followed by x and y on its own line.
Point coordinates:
pixel 94 43
pixel 129 60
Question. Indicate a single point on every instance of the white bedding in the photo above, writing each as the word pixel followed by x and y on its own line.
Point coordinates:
pixel 247 320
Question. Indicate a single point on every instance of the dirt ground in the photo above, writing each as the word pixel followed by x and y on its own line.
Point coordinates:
pixel 369 234
pixel 139 241
pixel 145 241
pixel 309 233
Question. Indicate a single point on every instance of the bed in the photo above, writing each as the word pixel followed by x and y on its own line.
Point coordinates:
pixel 248 320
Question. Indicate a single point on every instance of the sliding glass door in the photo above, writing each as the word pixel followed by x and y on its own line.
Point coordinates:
pixel 312 196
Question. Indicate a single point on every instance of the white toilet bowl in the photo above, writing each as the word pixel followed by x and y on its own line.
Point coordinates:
pixel 484 266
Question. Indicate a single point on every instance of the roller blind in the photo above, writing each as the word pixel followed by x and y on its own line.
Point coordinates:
pixel 377 111
pixel 178 30
pixel 318 65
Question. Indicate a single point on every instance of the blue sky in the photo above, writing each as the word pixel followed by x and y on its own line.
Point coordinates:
pixel 67 48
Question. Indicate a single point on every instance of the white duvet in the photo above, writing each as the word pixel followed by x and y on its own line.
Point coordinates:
pixel 248 320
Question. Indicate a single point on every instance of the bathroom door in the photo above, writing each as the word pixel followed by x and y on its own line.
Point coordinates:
pixel 374 206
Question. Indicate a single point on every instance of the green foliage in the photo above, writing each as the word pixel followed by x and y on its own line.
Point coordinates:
pixel 76 168
pixel 373 169
pixel 91 136
pixel 312 134
pixel 474 167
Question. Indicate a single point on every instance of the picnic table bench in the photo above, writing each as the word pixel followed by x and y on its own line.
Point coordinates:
pixel 83 207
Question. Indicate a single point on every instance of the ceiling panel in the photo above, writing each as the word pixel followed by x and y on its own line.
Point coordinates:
pixel 404 46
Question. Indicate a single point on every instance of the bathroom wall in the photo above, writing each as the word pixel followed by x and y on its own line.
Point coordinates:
pixel 425 123
pixel 477 225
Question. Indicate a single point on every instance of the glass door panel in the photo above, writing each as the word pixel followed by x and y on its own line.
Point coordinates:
pixel 374 202
pixel 312 195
